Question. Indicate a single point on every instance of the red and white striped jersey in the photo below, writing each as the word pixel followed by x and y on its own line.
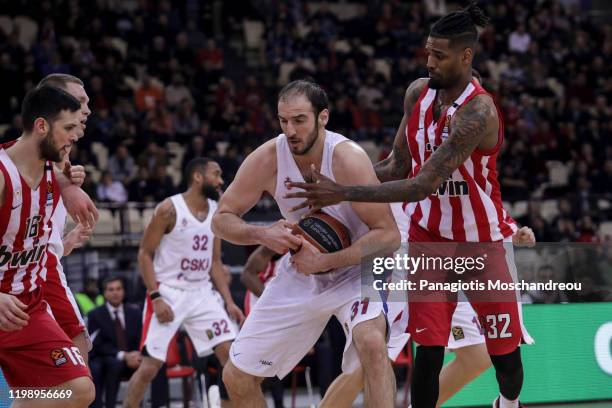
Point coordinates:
pixel 25 227
pixel 268 273
pixel 467 206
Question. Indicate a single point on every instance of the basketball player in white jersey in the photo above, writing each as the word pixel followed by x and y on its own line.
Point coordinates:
pixel 179 256
pixel 296 305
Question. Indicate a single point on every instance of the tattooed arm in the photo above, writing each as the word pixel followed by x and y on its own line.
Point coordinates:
pixel 470 126
pixel 474 125
pixel 398 164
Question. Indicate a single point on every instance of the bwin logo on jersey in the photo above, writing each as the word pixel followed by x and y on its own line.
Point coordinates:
pixel 453 188
pixel 23 258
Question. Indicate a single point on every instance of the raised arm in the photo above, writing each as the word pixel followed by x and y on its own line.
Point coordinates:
pixel 257 261
pixel 255 176
pixel 399 162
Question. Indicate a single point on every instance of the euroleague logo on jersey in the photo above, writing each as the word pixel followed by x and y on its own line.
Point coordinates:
pixel 58 357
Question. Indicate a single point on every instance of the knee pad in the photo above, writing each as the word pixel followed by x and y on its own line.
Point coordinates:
pixel 509 373
pixel 508 364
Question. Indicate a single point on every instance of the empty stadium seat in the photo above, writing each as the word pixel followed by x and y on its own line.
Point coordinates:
pixel 558 173
pixel 253 34
pixel 6 24
pixel 549 209
pixel 147 214
pixel 134 218
pixel 28 31
pixel 605 229
pixel 519 209
pixel 106 231
pixel 101 153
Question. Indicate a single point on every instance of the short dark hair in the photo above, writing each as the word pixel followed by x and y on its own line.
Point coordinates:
pixel 197 164
pixel 46 102
pixel 313 92
pixel 112 279
pixel 460 26
pixel 59 80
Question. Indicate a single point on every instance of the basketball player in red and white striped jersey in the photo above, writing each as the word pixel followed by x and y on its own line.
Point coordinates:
pixel 447 146
pixel 41 355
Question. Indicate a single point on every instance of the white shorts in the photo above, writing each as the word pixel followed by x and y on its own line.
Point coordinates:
pixel 290 316
pixel 465 329
pixel 198 310
pixel 397 315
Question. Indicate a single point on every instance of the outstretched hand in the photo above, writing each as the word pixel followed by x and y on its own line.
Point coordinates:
pixel 322 193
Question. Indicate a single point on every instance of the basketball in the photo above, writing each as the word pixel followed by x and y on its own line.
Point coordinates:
pixel 323 231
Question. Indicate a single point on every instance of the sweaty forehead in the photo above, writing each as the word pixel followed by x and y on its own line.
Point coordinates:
pixel 294 105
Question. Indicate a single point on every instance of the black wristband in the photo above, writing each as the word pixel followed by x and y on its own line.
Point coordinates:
pixel 154 295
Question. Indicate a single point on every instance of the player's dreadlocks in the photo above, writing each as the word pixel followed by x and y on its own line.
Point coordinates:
pixel 460 26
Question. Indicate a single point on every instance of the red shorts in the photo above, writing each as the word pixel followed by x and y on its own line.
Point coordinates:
pixel 431 310
pixel 40 354
pixel 58 295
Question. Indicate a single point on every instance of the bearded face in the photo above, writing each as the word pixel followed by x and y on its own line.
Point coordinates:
pixel 211 191
pixel 49 151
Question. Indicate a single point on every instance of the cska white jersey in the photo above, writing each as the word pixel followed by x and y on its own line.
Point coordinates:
pixel 184 256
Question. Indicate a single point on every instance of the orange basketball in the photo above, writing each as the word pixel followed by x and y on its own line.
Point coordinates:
pixel 323 231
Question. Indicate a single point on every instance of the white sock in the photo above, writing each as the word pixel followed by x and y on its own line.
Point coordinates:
pixel 506 403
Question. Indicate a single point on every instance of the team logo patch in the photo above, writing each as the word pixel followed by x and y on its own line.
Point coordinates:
pixel 446 127
pixel 458 333
pixel 287 181
pixel 184 222
pixel 58 357
pixel 209 334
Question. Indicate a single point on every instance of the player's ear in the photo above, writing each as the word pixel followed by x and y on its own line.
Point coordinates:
pixel 41 125
pixel 468 55
pixel 323 117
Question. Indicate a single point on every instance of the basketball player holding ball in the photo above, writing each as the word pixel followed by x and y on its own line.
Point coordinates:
pixel 296 305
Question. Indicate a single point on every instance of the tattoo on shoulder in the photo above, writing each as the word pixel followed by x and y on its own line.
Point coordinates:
pixel 412 94
pixel 468 127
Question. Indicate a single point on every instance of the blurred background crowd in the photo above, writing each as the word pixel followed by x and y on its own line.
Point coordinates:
pixel 170 81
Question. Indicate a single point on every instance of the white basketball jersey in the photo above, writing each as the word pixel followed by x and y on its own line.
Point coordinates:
pixel 287 170
pixel 184 255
